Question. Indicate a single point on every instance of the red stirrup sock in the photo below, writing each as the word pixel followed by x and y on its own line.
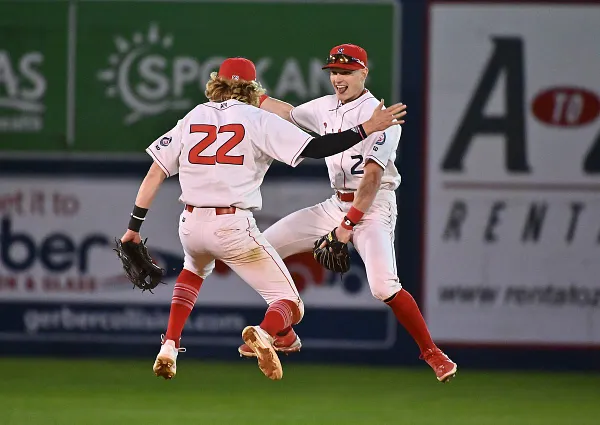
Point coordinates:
pixel 184 298
pixel 408 314
pixel 279 316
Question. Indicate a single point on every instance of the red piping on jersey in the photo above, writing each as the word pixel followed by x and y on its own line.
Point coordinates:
pixel 292 117
pixel 338 106
pixel 296 122
pixel 297 154
pixel 339 102
pixel 159 162
pixel 372 158
pixel 354 107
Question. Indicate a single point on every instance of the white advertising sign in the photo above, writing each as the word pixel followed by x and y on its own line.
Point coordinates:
pixel 512 233
pixel 57 235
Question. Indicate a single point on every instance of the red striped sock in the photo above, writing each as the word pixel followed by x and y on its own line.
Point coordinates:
pixel 285 331
pixel 184 298
pixel 280 315
pixel 408 314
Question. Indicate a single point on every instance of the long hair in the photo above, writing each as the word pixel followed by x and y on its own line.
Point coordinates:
pixel 219 89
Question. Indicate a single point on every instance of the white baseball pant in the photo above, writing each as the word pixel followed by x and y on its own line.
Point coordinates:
pixel 373 237
pixel 236 240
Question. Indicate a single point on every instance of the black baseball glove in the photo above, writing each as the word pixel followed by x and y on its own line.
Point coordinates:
pixel 334 254
pixel 138 265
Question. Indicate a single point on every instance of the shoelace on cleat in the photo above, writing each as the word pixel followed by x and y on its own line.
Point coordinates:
pixel 179 349
pixel 437 358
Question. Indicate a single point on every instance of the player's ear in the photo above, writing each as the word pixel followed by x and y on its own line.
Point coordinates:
pixel 364 73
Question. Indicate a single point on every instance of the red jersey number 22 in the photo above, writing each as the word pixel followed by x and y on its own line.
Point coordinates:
pixel 221 157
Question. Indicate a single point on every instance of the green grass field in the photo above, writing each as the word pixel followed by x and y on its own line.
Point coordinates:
pixel 91 392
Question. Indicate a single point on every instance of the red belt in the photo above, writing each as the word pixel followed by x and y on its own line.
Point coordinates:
pixel 345 197
pixel 218 210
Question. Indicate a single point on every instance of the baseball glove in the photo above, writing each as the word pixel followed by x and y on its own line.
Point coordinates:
pixel 138 265
pixel 334 254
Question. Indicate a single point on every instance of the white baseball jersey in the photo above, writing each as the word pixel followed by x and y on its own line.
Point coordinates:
pixel 373 236
pixel 223 150
pixel 327 115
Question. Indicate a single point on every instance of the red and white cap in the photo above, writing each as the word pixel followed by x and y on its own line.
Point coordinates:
pixel 237 69
pixel 347 56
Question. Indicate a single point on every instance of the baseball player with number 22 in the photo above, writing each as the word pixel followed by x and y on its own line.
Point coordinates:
pixel 221 150
pixel 363 208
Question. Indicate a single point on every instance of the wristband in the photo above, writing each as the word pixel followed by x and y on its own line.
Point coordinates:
pixel 137 218
pixel 352 218
pixel 261 99
pixel 361 131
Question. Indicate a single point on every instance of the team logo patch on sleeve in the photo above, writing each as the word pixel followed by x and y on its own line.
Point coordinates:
pixel 165 141
pixel 380 140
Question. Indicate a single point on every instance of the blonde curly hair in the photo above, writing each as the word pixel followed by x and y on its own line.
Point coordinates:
pixel 219 89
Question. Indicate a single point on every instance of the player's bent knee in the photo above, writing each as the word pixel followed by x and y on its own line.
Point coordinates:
pixel 203 272
pixel 386 289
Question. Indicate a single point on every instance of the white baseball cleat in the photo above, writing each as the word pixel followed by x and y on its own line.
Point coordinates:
pixel 261 343
pixel 289 343
pixel 165 364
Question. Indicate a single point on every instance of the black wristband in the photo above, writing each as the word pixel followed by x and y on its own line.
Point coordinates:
pixel 360 130
pixel 349 222
pixel 137 218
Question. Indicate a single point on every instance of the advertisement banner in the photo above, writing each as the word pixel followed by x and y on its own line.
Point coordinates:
pixel 136 67
pixel 512 233
pixel 56 250
pixel 33 69
pixel 206 326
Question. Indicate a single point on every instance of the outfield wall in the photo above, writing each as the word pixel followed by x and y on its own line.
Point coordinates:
pixel 498 230
pixel 106 76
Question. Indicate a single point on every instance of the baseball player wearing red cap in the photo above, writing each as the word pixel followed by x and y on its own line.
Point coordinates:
pixel 221 150
pixel 363 206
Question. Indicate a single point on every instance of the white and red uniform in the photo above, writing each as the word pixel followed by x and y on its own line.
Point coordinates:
pixel 221 152
pixel 373 236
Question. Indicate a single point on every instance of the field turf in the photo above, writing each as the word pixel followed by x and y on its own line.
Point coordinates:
pixel 111 392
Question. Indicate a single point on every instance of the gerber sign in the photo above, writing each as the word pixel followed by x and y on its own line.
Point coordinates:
pixel 60 279
pixel 513 175
pixel 136 67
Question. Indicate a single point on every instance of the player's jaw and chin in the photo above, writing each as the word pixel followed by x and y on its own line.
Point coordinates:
pixel 348 85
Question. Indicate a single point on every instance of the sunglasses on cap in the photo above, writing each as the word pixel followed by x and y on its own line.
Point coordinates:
pixel 342 58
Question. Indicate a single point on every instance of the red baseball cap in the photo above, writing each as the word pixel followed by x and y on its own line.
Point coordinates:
pixel 347 56
pixel 237 69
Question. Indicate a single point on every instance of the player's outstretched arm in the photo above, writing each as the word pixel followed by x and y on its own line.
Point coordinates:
pixel 334 143
pixel 277 107
pixel 146 194
pixel 382 119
